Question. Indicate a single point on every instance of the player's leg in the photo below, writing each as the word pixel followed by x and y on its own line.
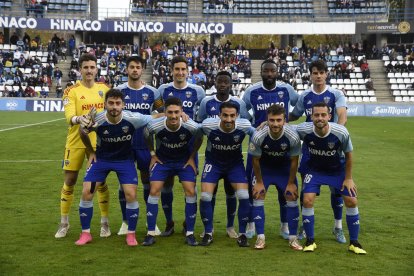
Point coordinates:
pixel 231 204
pixel 72 163
pixel 243 211
pixel 187 177
pixel 308 220
pixel 86 211
pixel 152 208
pixel 103 199
pixel 292 214
pixel 284 228
pixel 206 211
pixel 259 218
pixel 337 204
pixel 167 197
pixel 250 228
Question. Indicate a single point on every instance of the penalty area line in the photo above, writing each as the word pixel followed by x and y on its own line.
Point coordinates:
pixel 29 125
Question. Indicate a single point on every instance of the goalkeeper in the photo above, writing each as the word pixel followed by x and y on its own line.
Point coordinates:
pixel 78 100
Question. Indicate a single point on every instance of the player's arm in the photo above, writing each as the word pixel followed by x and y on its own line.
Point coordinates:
pixel 297 110
pixel 198 141
pixel 149 141
pixel 83 132
pixel 291 188
pixel 342 115
pixel 258 187
pixel 349 182
pixel 69 102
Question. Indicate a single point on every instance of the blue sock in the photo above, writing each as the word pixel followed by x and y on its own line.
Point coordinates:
pixel 244 209
pixel 190 212
pixel 259 215
pixel 337 203
pixel 231 202
pixel 122 203
pixel 292 215
pixel 308 219
pixel 352 220
pixel 213 203
pixel 167 202
pixel 152 212
pixel 282 206
pixel 132 213
pixel 85 213
pixel 206 212
pixel 146 190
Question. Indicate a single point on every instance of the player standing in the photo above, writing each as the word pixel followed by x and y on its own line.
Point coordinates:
pixel 78 100
pixel 190 96
pixel 174 155
pixel 336 102
pixel 143 99
pixel 115 129
pixel 224 159
pixel 275 150
pixel 330 163
pixel 258 98
pixel 210 108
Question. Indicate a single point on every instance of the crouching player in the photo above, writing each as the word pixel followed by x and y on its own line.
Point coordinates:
pixel 275 150
pixel 174 155
pixel 330 163
pixel 115 129
pixel 224 159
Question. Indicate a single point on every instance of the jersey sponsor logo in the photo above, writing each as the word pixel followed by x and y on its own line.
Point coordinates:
pixel 125 129
pixel 187 104
pixel 82 98
pixel 226 147
pixel 117 139
pixel 175 145
pixel 322 152
pixel 144 106
pixel 89 106
pixel 265 106
pixel 275 153
pixel 145 96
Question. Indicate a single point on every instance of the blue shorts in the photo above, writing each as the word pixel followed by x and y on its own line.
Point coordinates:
pixel 143 159
pixel 213 173
pixel 278 176
pixel 125 170
pixel 160 172
pixel 313 180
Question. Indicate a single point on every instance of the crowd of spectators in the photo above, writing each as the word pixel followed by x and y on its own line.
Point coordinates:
pixel 36 7
pixel 222 4
pixel 149 6
pixel 30 68
pixel 340 4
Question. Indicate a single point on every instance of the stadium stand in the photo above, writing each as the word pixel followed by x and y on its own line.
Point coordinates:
pixel 357 7
pixel 400 74
pixel 160 7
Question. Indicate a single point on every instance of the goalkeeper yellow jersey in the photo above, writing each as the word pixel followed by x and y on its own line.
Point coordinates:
pixel 78 100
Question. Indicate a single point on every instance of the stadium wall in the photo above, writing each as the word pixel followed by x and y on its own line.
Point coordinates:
pixel 369 110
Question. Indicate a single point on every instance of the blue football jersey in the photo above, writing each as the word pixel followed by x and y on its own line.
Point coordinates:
pixel 210 108
pixel 173 146
pixel 326 154
pixel 141 101
pixel 334 98
pixel 275 152
pixel 225 149
pixel 190 96
pixel 114 141
pixel 259 99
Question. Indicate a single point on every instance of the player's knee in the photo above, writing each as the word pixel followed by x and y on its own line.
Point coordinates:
pixel 307 201
pixel 350 202
pixel 130 195
pixel 205 196
pixel 242 194
pixel 190 191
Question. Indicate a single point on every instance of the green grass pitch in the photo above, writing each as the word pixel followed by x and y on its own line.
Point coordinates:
pixel 31 179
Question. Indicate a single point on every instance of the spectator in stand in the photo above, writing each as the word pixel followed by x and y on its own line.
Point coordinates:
pixel 44 93
pixel 14 38
pixel 57 75
pixel 59 91
pixel 369 84
pixel 365 69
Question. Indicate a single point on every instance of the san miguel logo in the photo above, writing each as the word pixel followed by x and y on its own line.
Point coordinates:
pixel 404 27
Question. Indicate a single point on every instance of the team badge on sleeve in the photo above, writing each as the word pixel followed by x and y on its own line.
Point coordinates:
pixel 252 147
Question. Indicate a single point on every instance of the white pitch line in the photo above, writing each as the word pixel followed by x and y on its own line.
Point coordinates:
pixel 29 125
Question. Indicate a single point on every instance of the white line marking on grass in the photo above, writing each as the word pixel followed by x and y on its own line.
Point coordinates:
pixel 27 161
pixel 29 125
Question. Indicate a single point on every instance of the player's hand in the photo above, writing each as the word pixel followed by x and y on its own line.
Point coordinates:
pixel 350 186
pixel 261 126
pixel 185 117
pixel 85 121
pixel 291 191
pixel 258 190
pixel 154 160
pixel 191 163
pixel 91 159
